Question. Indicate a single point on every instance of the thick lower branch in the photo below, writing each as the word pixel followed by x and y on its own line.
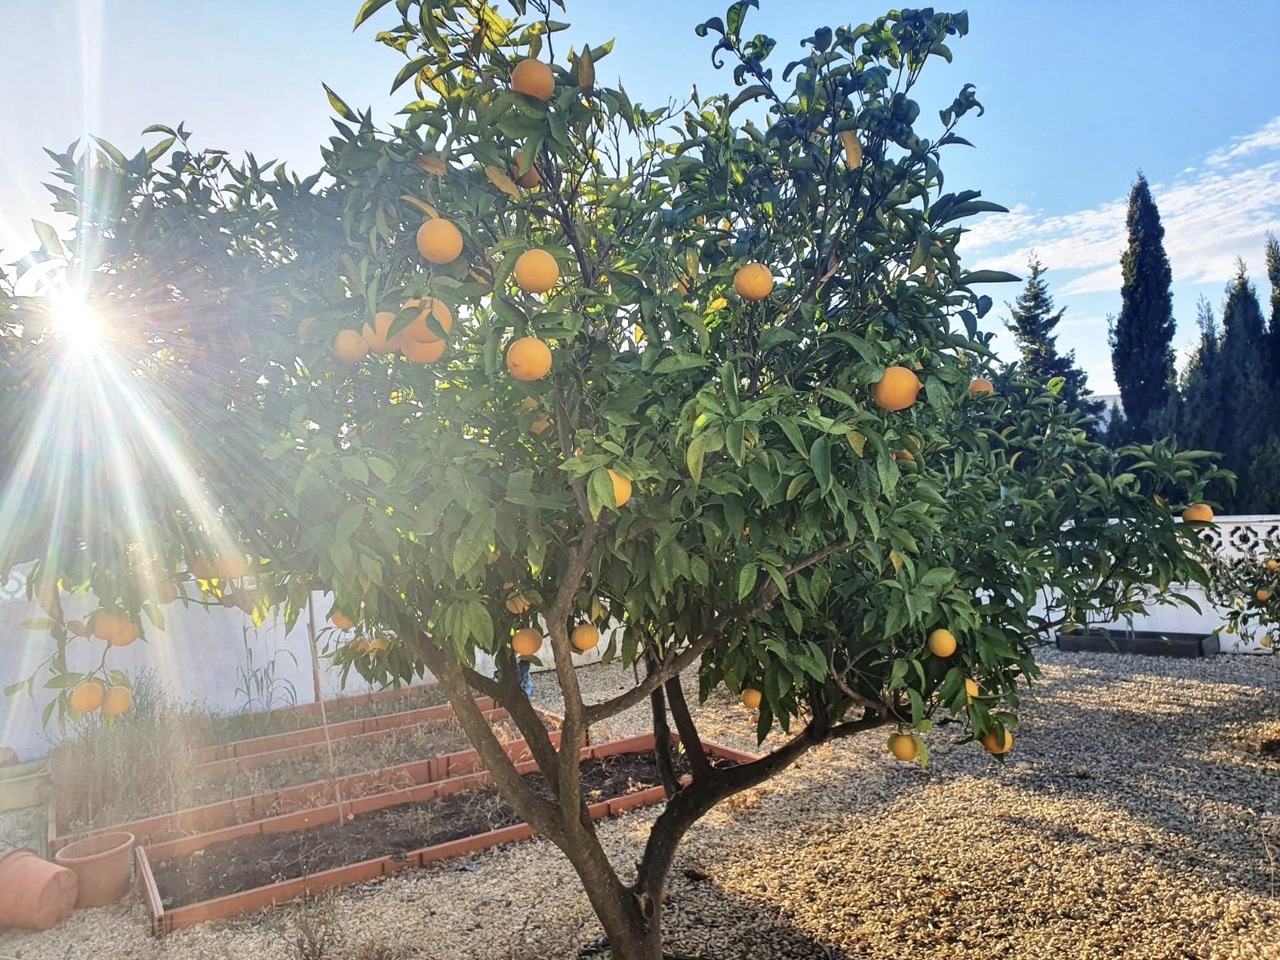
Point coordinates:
pixel 687 729
pixel 662 744
pixel 538 812
pixel 509 694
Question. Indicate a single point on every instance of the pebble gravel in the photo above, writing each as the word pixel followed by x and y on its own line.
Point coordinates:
pixel 1137 817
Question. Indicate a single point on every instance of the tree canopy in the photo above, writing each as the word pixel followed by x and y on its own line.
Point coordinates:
pixel 767 447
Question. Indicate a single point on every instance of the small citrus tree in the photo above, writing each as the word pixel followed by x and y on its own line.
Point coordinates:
pixel 538 360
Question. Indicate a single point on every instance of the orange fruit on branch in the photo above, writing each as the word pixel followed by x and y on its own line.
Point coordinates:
pixel 422 351
pixel 751 698
pixel 439 242
pixel 903 746
pixel 533 78
pixel 341 620
pixel 527 642
pixel 753 282
pixel 116 701
pixel 584 637
pixel 376 336
pixel 1198 513
pixel 995 744
pixel 896 389
pixel 1263 595
pixel 981 386
pixel 536 271
pixel 529 359
pixel 87 696
pixel 621 489
pixel 942 642
pixel 419 330
pixel 349 347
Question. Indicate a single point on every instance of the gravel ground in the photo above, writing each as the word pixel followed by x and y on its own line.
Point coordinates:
pixel 1138 817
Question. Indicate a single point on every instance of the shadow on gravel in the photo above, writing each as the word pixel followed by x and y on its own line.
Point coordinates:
pixel 1176 771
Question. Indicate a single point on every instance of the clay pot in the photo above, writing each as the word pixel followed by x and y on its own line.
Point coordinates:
pixel 23 785
pixel 104 865
pixel 38 895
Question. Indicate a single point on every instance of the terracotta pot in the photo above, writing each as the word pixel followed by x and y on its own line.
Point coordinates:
pixel 103 863
pixel 23 785
pixel 38 894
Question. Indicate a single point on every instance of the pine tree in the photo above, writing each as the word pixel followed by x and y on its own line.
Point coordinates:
pixel 1033 321
pixel 1142 337
pixel 1273 276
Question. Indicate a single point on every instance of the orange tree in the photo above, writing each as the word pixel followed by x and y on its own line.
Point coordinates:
pixel 538 360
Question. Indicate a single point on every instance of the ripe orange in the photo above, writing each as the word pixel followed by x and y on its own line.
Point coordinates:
pixel 540 424
pixel 422 351
pixel 202 569
pixel 896 389
pixel 1263 595
pixel 341 620
pixel 419 330
pixel 753 281
pixel 232 565
pixel 536 271
pixel 349 347
pixel 378 645
pixel 529 359
pixel 530 178
pixel 166 591
pixel 518 604
pixel 114 627
pixel 533 78
pixel 903 746
pixel 972 689
pixel 621 489
pixel 993 744
pixel 116 701
pixel 942 642
pixel 584 637
pixel 439 241
pixel 527 642
pixel 981 385
pixel 126 633
pixel 751 698
pixel 1198 513
pixel 375 337
pixel 360 646
pixel 87 695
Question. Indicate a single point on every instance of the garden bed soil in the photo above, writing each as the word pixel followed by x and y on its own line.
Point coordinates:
pixel 318 851
pixel 259 860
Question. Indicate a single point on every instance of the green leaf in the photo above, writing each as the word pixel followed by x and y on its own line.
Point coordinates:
pixel 368 9
pixel 339 105
pixel 696 455
pixel 38 623
pixel 599 492
pixel 409 70
pixel 747 580
pixel 63 681
pixel 679 363
pixel 987 276
pixel 349 522
pixel 48 238
pixel 820 457
pixel 472 544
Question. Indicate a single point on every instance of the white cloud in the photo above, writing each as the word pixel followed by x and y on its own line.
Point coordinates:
pixel 1210 216
pixel 1268 138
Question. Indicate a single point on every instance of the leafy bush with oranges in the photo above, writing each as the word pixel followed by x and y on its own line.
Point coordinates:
pixel 523 367
pixel 1248 588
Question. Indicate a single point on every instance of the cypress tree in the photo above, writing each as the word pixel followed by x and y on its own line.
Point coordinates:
pixel 1273 276
pixel 1033 321
pixel 1142 336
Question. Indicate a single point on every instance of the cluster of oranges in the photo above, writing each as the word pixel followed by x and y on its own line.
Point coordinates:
pixel 527 641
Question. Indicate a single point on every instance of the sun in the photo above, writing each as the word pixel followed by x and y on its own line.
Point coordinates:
pixel 75 322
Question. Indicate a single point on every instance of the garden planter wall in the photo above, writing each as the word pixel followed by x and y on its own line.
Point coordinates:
pixel 248 901
pixel 23 785
pixel 1149 643
pixel 229 815
pixel 38 895
pixel 244 755
pixel 103 865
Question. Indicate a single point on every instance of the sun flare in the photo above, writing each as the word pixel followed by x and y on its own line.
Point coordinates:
pixel 76 323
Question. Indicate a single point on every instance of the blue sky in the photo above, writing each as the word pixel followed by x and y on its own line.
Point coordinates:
pixel 1079 96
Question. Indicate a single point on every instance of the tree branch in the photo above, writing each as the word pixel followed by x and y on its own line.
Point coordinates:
pixel 687 728
pixel 508 693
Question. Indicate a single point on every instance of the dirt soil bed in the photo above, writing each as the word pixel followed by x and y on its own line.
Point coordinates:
pixel 260 860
